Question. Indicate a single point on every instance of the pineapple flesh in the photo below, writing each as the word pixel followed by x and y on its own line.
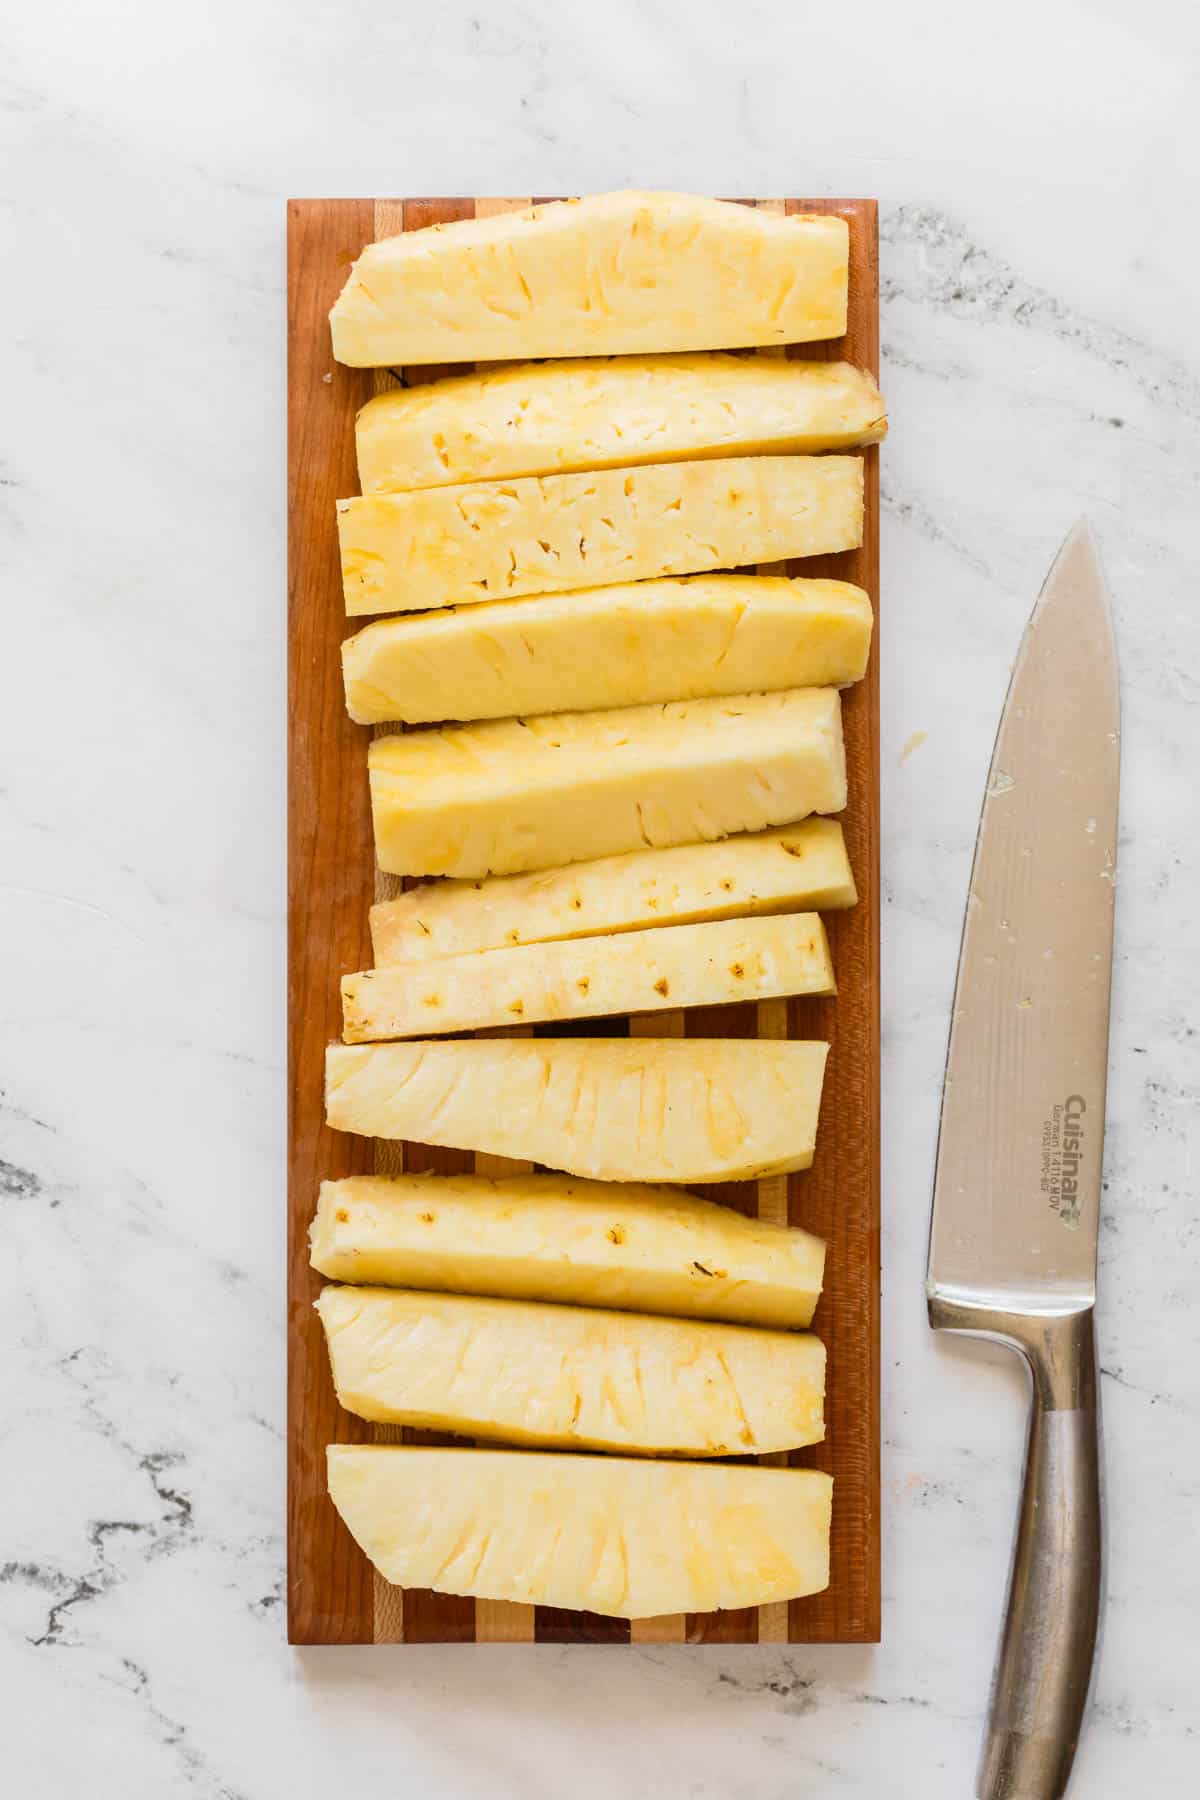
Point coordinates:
pixel 556 418
pixel 622 1536
pixel 614 1109
pixel 645 971
pixel 527 1373
pixel 612 274
pixel 547 1237
pixel 800 867
pixel 489 540
pixel 512 493
pixel 610 646
pixel 512 795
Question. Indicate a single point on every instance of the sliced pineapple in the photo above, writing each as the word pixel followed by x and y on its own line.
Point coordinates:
pixel 612 646
pixel 616 1109
pixel 553 418
pixel 546 1237
pixel 489 540
pixel 614 273
pixel 526 1373
pixel 510 795
pixel 646 971
pixel 607 1534
pixel 801 867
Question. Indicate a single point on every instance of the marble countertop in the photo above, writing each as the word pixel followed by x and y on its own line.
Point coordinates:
pixel 1038 178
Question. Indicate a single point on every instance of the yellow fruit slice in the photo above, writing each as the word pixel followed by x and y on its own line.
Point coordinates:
pixel 511 795
pixel 526 1373
pixel 548 1237
pixel 613 646
pixel 799 868
pixel 615 1109
pixel 552 418
pixel 644 971
pixel 498 540
pixel 615 273
pixel 607 1534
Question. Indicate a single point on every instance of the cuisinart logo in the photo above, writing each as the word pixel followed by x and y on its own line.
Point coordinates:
pixel 1062 1152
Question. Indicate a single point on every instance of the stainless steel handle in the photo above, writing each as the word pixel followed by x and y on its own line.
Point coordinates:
pixel 1048 1645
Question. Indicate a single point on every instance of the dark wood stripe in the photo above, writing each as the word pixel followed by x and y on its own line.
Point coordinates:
pixel 329 1588
pixel 839 1196
pixel 738 1626
pixel 581 1028
pixel 555 1625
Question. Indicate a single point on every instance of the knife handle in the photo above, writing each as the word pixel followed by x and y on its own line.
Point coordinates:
pixel 1048 1645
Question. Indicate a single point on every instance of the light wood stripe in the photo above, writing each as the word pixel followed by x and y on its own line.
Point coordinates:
pixel 388 1627
pixel 389 218
pixel 668 1628
pixel 487 207
pixel 389 222
pixel 501 1621
pixel 495 1621
pixel 772 1201
pixel 776 351
pixel 772 1022
pixel 388 1601
pixel 773 1623
pixel 773 1205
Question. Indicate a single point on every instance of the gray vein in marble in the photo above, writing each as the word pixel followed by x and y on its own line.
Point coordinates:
pixel 1156 1396
pixel 917 515
pixel 20 1115
pixel 20 1184
pixel 962 278
pixel 160 1537
pixel 787 1684
pixel 804 1693
pixel 198 1773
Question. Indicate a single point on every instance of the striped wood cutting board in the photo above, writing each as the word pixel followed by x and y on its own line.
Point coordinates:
pixel 334 1596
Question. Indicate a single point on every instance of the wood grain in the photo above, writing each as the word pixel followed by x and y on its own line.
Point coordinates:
pixel 502 1621
pixel 330 862
pixel 839 1196
pixel 387 1601
pixel 333 1594
pixel 771 1021
pixel 666 1628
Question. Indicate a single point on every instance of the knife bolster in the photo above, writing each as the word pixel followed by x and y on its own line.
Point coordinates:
pixel 1058 1347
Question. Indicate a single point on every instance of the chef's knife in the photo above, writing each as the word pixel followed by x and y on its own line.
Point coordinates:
pixel 1012 1251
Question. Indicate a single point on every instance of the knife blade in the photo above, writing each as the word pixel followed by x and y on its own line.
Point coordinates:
pixel 1015 1223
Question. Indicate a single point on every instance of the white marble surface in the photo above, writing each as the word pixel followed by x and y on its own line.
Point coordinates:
pixel 1038 172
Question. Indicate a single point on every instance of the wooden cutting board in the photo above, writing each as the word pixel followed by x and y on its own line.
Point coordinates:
pixel 334 1595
